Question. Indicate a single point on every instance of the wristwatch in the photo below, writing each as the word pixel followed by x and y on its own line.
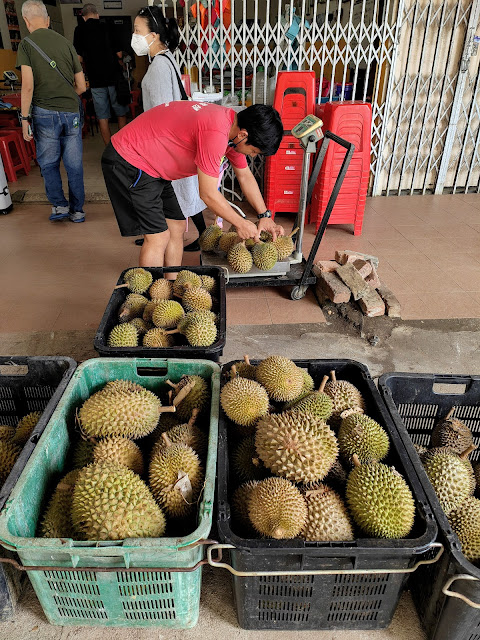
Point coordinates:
pixel 267 214
pixel 25 118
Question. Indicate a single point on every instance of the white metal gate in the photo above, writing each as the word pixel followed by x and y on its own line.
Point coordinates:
pixel 414 60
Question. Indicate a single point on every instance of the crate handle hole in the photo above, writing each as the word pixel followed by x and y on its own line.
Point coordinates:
pixel 449 388
pixel 159 372
pixel 13 369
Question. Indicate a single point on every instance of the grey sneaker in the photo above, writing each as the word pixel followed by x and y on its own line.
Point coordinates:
pixel 59 213
pixel 77 216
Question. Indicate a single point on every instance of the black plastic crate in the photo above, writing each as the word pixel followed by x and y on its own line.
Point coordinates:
pixel 356 599
pixel 27 384
pixel 184 350
pixel 416 402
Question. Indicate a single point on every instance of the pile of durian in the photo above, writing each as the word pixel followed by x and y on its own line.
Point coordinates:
pixel 154 320
pixel 12 441
pixel 242 255
pixel 306 463
pixel 455 480
pixel 136 466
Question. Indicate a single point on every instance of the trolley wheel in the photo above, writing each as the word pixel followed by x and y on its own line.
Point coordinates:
pixel 298 292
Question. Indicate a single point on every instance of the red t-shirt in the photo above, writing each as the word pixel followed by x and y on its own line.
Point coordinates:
pixel 170 141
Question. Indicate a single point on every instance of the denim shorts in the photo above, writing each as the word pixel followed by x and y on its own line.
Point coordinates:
pixel 103 97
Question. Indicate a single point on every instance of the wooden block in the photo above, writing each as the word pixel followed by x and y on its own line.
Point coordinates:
pixel 372 304
pixel 354 281
pixel 330 285
pixel 394 309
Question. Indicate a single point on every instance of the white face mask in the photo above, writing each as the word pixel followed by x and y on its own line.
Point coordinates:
pixel 140 45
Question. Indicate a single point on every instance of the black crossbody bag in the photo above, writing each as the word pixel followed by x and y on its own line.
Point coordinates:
pixel 183 93
pixel 53 65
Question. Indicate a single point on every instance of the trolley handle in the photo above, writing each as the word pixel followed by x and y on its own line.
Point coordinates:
pixel 343 143
pixel 316 572
pixel 455 594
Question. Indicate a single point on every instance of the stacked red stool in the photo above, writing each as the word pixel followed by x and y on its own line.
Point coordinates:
pixel 352 121
pixel 294 99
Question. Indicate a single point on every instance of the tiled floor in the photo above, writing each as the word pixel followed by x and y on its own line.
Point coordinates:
pixel 60 276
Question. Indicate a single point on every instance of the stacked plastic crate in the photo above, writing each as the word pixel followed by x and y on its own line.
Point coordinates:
pixel 352 121
pixel 294 99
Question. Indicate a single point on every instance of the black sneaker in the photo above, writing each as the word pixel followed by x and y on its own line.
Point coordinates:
pixel 193 246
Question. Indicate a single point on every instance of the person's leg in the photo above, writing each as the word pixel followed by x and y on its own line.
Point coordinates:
pixel 101 103
pixel 153 251
pixel 118 109
pixel 72 152
pixel 174 250
pixel 199 221
pixel 47 130
pixel 122 121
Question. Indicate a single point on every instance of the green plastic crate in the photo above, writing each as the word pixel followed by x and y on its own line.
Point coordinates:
pixel 121 598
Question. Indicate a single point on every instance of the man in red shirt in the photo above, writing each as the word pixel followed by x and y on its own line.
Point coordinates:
pixel 181 139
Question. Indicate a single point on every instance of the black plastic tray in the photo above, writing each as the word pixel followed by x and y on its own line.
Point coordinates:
pixel 185 350
pixel 362 600
pixel 416 402
pixel 27 383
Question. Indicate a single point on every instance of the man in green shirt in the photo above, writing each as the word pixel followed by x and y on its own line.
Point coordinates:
pixel 50 102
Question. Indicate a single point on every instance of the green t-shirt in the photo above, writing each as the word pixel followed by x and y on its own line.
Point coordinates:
pixel 50 91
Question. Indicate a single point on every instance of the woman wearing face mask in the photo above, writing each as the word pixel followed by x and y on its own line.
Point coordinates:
pixel 158 37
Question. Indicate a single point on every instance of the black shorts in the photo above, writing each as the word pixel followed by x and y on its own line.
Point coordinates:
pixel 141 203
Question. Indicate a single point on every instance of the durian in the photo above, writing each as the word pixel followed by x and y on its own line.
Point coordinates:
pixel 364 436
pixel 277 509
pixel 239 258
pixel 208 283
pixel 344 396
pixel 285 245
pixel 121 450
pixel 210 237
pixel 243 369
pixel 465 521
pixel 148 310
pixel 189 434
pixel 111 502
pixel 25 428
pixel 451 476
pixel 451 432
pixel 138 280
pixel 227 240
pixel 57 519
pixel 176 478
pixel 240 502
pixel 161 289
pixel 327 516
pixel 9 452
pixel 266 236
pixel 157 337
pixel 198 396
pixel 297 447
pixel 196 299
pixel 140 325
pixel 6 432
pixel 281 377
pixel 183 277
pixel 245 461
pixel 167 314
pixel 82 453
pixel 380 500
pixel 264 255
pixel 200 331
pixel 132 307
pixel 197 316
pixel 315 403
pixel 123 335
pixel 244 401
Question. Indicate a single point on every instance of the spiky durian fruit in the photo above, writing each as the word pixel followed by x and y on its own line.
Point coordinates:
pixel 380 500
pixel 9 452
pixel 132 307
pixel 245 461
pixel 176 478
pixel 167 314
pixel 197 398
pixel 451 432
pixel 6 432
pixel 281 377
pixel 327 516
pixel 148 310
pixel 208 283
pixel 189 434
pixel 25 428
pixel 123 335
pixel 57 519
pixel 122 386
pixel 239 258
pixel 209 238
pixel 315 403
pixel 82 453
pixel 465 521
pixel 451 476
pixel 277 509
pixel 157 337
pixel 161 289
pixel 111 502
pixel 307 388
pixel 344 396
pixel 264 255
pixel 196 299
pixel 196 316
pixel 243 369
pixel 266 236
pixel 240 500
pixel 284 245
pixel 183 277
pixel 141 326
pixel 201 332
pixel 336 477
pixel 476 471
pixel 227 240
pixel 244 401
pixel 121 450
pixel 132 414
pixel 364 436
pixel 138 279
pixel 297 447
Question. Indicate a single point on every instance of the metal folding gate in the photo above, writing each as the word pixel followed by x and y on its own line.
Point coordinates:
pixel 415 60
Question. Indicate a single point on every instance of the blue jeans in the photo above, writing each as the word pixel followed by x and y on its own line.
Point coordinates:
pixel 58 136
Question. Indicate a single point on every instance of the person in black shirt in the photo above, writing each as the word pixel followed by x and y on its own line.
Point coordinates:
pixel 97 52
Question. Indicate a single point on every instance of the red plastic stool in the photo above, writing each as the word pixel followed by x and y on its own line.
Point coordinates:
pixel 10 163
pixel 25 146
